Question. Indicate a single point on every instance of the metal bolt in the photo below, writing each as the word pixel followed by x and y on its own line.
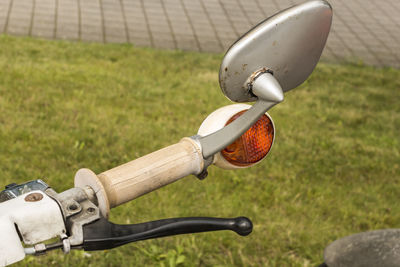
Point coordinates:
pixel 33 197
pixel 202 175
pixel 73 207
pixel 91 210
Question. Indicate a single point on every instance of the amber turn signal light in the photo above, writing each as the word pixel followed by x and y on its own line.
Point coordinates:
pixel 250 148
pixel 253 145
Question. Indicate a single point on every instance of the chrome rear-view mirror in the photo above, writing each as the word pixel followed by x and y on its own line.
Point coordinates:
pixel 274 57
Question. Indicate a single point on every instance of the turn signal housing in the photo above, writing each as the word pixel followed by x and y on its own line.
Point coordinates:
pixel 248 149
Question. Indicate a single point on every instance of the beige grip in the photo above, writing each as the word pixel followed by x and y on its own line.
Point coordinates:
pixel 138 177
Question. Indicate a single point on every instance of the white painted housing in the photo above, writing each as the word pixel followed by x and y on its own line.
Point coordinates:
pixel 36 221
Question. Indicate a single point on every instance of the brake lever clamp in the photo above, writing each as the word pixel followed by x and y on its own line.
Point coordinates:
pixel 79 208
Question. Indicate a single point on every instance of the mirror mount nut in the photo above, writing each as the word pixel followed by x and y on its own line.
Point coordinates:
pixel 254 76
pixel 263 84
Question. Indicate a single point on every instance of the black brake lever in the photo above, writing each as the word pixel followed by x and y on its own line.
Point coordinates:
pixel 103 234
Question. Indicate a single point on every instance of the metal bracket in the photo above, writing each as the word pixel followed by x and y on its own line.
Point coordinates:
pixel 207 161
pixel 204 172
pixel 78 210
pixel 269 93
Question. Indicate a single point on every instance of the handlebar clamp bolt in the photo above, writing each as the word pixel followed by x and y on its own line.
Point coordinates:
pixel 91 210
pixel 73 207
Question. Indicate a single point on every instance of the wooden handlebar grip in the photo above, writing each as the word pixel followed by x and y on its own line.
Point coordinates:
pixel 138 177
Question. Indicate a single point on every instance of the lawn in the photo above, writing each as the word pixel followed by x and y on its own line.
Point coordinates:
pixel 334 169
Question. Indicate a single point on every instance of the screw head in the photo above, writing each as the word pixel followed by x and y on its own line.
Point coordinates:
pixel 33 197
pixel 91 210
pixel 73 207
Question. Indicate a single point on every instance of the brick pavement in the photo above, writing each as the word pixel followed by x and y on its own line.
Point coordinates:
pixel 363 30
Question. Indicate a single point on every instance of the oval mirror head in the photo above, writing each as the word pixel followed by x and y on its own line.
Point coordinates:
pixel 288 44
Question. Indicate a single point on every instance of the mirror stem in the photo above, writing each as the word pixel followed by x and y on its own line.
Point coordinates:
pixel 269 93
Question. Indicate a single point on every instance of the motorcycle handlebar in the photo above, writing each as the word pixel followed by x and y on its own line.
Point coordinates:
pixel 143 175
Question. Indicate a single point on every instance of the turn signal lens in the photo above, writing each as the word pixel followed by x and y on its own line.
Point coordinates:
pixel 253 145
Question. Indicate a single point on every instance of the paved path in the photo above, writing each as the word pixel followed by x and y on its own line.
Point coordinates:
pixel 363 30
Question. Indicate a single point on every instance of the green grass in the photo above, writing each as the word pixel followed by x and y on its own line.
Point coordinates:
pixel 334 169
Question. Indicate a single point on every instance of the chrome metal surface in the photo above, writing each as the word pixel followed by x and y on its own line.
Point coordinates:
pixel 289 44
pixel 15 190
pixel 267 88
pixel 66 243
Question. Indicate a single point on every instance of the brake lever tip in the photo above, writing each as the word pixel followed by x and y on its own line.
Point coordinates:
pixel 243 226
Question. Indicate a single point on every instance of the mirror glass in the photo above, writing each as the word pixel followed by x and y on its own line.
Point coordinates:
pixel 289 44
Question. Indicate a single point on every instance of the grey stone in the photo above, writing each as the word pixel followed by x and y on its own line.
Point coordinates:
pixel 369 249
